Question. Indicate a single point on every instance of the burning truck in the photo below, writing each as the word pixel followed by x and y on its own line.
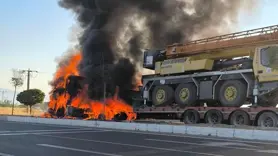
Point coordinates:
pixel 71 96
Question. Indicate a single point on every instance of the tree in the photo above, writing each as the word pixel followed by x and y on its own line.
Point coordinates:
pixel 16 81
pixel 30 97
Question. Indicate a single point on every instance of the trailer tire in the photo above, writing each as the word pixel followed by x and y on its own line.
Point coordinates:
pixel 186 94
pixel 191 117
pixel 267 119
pixel 239 118
pixel 214 117
pixel 164 90
pixel 232 93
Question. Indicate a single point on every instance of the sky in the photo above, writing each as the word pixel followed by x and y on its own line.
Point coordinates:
pixel 33 33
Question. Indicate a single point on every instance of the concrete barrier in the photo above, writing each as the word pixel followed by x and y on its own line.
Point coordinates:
pixel 265 135
pixel 251 134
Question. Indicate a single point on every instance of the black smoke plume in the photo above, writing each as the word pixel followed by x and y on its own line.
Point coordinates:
pixel 116 29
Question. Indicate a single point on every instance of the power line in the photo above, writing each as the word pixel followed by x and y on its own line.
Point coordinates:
pixel 28 76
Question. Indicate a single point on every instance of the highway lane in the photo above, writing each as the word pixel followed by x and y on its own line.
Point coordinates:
pixel 22 139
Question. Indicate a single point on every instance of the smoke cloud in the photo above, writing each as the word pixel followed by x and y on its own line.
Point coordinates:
pixel 116 32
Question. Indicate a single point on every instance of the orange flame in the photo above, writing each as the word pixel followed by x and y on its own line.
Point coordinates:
pixel 93 109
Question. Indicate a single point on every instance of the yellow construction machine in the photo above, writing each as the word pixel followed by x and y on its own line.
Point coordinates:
pixel 228 70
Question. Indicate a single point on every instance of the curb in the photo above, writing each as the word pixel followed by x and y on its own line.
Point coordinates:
pixel 265 135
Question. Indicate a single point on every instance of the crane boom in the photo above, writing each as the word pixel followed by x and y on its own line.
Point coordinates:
pixel 259 36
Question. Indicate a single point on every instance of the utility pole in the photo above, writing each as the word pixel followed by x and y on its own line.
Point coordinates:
pixel 28 79
pixel 3 92
pixel 104 87
pixel 28 76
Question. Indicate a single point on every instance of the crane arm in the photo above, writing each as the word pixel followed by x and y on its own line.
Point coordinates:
pixel 260 36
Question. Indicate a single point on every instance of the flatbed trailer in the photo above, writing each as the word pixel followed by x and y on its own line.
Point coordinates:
pixel 211 79
pixel 254 116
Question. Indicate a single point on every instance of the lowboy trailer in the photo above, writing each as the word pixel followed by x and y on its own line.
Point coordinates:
pixel 211 79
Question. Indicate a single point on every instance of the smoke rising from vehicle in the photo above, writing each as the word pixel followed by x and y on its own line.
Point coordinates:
pixel 117 29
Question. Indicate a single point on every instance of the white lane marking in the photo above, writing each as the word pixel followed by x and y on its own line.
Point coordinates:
pixel 48 130
pixel 5 131
pixel 268 151
pixel 40 124
pixel 4 154
pixel 71 132
pixel 11 134
pixel 217 144
pixel 38 133
pixel 199 144
pixel 201 138
pixel 132 145
pixel 78 150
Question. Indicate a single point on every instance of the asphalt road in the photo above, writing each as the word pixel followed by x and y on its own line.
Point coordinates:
pixel 21 139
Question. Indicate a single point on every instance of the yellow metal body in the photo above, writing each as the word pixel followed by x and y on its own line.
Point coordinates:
pixel 266 73
pixel 171 67
pixel 199 62
pixel 200 55
pixel 205 61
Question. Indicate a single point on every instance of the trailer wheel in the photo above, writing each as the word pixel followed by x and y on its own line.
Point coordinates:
pixel 214 117
pixel 239 118
pixel 185 94
pixel 162 95
pixel 191 117
pixel 232 93
pixel 267 119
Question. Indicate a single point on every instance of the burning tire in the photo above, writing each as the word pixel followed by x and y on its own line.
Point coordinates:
pixel 101 117
pixel 120 117
pixel 162 95
pixel 232 93
pixel 239 118
pixel 186 94
pixel 60 112
pixel 75 112
pixel 214 117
